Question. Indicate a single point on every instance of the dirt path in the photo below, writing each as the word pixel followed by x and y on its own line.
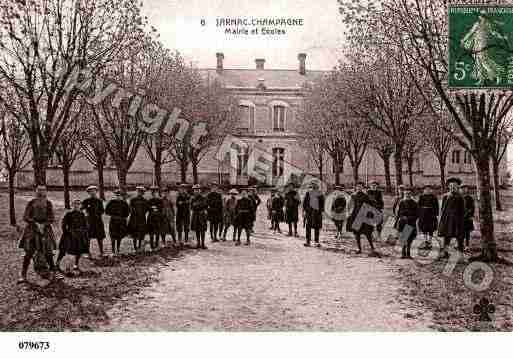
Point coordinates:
pixel 275 284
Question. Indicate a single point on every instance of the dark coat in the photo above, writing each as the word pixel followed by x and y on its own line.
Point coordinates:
pixel 155 214
pixel 199 213
pixel 313 216
pixel 118 211
pixel 74 239
pixel 376 197
pixel 94 209
pixel 468 221
pixel 32 239
pixel 277 204
pixel 215 207
pixel 292 203
pixel 408 213
pixel 339 207
pixel 183 207
pixel 359 199
pixel 244 209
pixel 138 210
pixel 428 213
pixel 451 218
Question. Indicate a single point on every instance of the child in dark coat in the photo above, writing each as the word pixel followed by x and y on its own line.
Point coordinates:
pixel 74 240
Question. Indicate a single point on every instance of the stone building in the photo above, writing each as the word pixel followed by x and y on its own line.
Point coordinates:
pixel 270 103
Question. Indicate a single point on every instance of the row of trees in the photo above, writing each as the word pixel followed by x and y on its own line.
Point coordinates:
pixel 389 93
pixel 44 46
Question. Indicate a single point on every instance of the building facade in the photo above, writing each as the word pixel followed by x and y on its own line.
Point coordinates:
pixel 270 102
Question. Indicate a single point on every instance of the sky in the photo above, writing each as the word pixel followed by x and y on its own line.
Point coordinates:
pixel 179 25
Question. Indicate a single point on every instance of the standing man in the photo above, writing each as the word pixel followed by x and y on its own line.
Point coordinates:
pixel 313 206
pixel 408 214
pixel 199 216
pixel 468 217
pixel 376 197
pixel 452 216
pixel 215 211
pixel 183 214
pixel 229 214
pixel 292 202
pixel 338 209
pixel 253 196
pixel 277 211
pixel 428 215
pixel 155 218
pixel 38 237
pixel 137 224
pixel 93 207
pixel 168 215
pixel 118 210
pixel 358 199
pixel 244 210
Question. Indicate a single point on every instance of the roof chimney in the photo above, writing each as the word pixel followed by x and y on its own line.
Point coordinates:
pixel 302 67
pixel 220 57
pixel 260 64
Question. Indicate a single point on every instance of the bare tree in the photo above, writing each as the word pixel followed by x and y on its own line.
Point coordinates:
pixel 43 44
pixel 419 30
pixel 413 146
pixel 93 148
pixel 384 148
pixel 504 136
pixel 68 151
pixel 15 154
pixel 356 138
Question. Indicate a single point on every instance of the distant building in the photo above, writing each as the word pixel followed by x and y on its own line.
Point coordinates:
pixel 270 101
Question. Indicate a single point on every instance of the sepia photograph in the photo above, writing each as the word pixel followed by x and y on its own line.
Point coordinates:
pixel 195 168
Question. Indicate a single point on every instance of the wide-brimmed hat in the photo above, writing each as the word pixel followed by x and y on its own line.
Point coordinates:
pixel 76 200
pixel 233 191
pixel 117 191
pixel 454 180
pixel 338 187
pixel 40 187
pixel 91 188
pixel 154 188
pixel 140 188
pixel 374 182
pixel 196 186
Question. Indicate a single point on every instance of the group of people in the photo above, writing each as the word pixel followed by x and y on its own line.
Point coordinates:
pixel 137 217
pixel 207 209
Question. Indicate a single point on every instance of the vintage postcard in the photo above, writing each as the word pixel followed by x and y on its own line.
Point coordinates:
pixel 224 166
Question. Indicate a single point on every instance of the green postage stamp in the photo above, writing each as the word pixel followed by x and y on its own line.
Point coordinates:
pixel 480 46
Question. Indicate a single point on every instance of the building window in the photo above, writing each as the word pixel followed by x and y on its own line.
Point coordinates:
pixel 278 160
pixel 247 117
pixel 279 118
pixel 242 162
pixel 456 156
pixel 467 158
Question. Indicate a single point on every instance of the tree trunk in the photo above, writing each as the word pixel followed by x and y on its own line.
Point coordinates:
pixel 183 171
pixel 388 180
pixel 496 185
pixel 39 166
pixel 122 174
pixel 355 173
pixel 157 168
pixel 410 173
pixel 398 163
pixel 320 167
pixel 101 181
pixel 337 174
pixel 488 244
pixel 65 179
pixel 441 163
pixel 195 172
pixel 12 209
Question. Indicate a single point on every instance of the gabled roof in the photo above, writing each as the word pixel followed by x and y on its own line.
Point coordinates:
pixel 273 78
